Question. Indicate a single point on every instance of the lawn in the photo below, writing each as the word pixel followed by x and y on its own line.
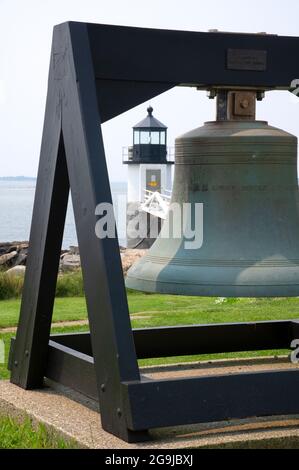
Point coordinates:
pixel 22 434
pixel 146 311
pixel 5 337
pixel 66 309
pixel 4 373
pixel 161 310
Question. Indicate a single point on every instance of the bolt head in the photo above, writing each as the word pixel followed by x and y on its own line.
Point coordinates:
pixel 244 104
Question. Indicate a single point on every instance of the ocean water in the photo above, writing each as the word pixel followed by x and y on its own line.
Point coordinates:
pixel 16 205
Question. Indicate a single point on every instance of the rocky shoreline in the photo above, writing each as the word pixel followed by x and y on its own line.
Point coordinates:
pixel 13 257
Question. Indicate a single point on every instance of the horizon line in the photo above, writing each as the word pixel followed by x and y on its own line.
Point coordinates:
pixel 35 177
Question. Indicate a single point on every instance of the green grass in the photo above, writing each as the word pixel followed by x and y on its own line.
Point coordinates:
pixel 23 434
pixel 6 337
pixel 158 310
pixel 66 309
pixel 167 310
pixel 146 311
pixel 163 310
pixel 4 373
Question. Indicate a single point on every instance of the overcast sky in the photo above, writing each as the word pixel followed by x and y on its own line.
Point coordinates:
pixel 25 42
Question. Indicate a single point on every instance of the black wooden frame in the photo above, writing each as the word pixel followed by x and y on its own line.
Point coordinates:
pixel 94 76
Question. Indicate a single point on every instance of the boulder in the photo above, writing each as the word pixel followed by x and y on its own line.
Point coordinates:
pixel 21 258
pixel 14 255
pixel 4 259
pixel 69 262
pixel 18 271
pixel 74 250
pixel 129 257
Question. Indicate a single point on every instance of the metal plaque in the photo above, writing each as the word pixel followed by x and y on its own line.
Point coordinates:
pixel 247 59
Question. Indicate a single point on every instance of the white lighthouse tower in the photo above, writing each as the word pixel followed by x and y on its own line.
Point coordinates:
pixel 149 171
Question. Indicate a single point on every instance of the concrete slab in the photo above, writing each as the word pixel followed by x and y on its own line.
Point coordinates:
pixel 77 417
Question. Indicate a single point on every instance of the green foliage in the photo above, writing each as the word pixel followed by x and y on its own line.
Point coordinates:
pixel 23 434
pixel 4 372
pixel 10 286
pixel 68 285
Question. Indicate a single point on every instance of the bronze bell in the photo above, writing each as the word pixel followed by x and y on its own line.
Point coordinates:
pixel 244 172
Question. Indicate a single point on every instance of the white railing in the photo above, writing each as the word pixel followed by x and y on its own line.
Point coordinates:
pixel 165 193
pixel 127 153
pixel 156 203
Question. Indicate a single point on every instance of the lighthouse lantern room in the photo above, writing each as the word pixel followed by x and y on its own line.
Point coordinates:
pixel 149 171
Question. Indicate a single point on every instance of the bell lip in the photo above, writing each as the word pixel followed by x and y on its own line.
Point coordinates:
pixel 210 290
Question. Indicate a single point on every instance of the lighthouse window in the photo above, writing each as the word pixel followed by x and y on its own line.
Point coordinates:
pixel 145 137
pixel 136 137
pixel 162 138
pixel 154 138
pixel 150 137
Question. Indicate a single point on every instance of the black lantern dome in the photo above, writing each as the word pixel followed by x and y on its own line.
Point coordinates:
pixel 149 141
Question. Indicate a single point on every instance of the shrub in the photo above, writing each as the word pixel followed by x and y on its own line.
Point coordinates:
pixel 70 285
pixel 10 286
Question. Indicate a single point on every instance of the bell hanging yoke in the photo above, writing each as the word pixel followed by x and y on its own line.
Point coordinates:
pixel 96 73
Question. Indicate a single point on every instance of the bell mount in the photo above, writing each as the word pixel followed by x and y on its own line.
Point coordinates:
pixel 90 82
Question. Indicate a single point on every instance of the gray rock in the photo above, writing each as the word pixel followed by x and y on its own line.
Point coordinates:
pixel 74 250
pixel 17 271
pixel 69 262
pixel 129 257
pixel 21 258
pixel 8 257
